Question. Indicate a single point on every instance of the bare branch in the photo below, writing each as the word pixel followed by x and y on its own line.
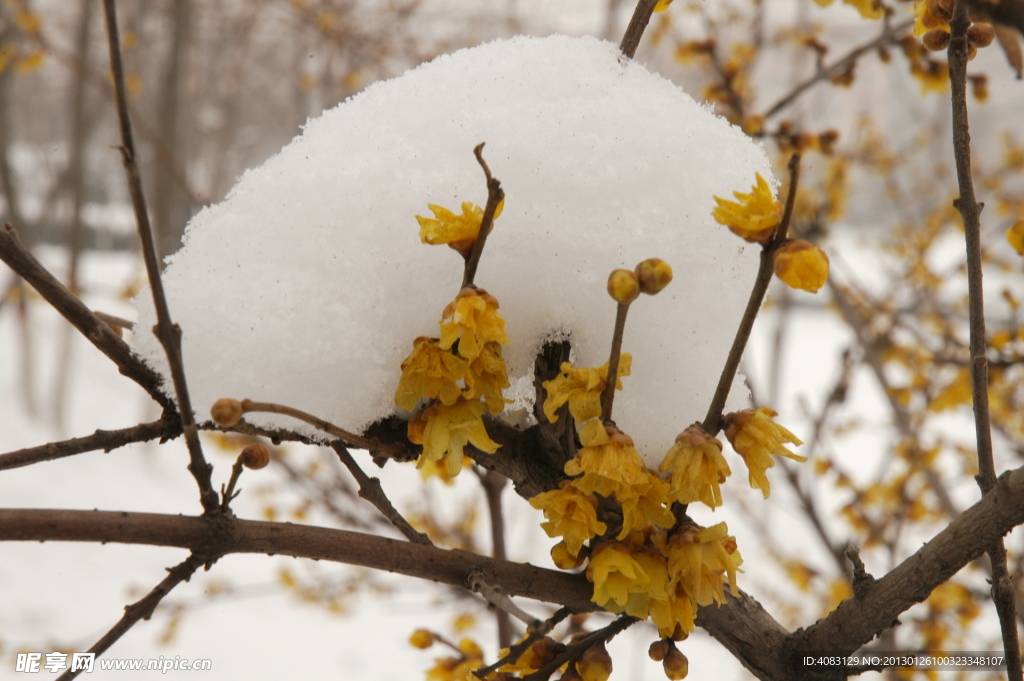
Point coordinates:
pixel 495 195
pixel 637 26
pixel 107 440
pixel 167 331
pixel 21 260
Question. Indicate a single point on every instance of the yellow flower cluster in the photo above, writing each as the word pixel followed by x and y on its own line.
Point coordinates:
pixel 582 389
pixel 463 374
pixel 665 578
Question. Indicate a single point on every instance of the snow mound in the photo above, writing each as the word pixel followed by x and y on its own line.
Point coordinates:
pixel 308 283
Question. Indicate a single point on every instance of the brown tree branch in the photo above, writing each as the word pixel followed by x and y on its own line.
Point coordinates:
pixel 637 26
pixel 495 195
pixel 21 260
pixel 143 609
pixel 765 271
pixel 494 484
pixel 890 34
pixel 107 440
pixel 371 490
pixel 1003 594
pixel 167 331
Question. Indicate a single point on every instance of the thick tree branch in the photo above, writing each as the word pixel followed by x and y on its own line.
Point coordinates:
pixel 167 331
pixel 21 260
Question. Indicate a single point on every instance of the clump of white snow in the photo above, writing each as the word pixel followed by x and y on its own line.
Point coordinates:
pixel 308 284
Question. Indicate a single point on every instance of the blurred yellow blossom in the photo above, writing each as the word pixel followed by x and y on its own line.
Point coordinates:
pixel 756 215
pixel 756 437
pixel 696 468
pixel 1015 235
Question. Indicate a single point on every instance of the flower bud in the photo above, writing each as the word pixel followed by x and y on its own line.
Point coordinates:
pixel 679 633
pixel 941 10
pixel 596 663
pixel 623 286
pixel 659 650
pixel 654 274
pixel 801 265
pixel 255 456
pixel 422 639
pixel 565 560
pixel 226 412
pixel 981 35
pixel 544 650
pixel 936 39
pixel 676 665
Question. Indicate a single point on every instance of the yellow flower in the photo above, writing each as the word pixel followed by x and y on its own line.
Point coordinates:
pixel 1015 235
pixel 801 265
pixel 582 389
pixel 615 573
pixel 869 9
pixel 440 469
pixel 699 559
pixel 449 428
pixel 662 5
pixel 541 652
pixel 430 372
pixel 458 668
pixel 570 514
pixel 697 468
pixel 755 217
pixel 487 377
pixel 458 231
pixel 645 503
pixel 655 589
pixel 756 437
pixel 474 323
pixel 609 469
pixel 421 638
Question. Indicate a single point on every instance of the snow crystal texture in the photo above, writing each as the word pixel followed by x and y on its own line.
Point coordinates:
pixel 308 284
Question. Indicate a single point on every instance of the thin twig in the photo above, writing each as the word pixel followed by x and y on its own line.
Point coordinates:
pixel 495 195
pixel 496 597
pixel 764 277
pixel 350 438
pixel 167 331
pixel 574 651
pixel 608 394
pixel 371 490
pixel 143 609
pixel 494 484
pixel 21 260
pixel 889 35
pixel 970 210
pixel 516 651
pixel 637 26
pixel 107 440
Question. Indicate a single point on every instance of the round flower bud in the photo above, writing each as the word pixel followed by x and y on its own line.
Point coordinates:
pixel 255 456
pixel 226 412
pixel 801 265
pixel 596 663
pixel 654 274
pixel 676 665
pixel 941 10
pixel 659 650
pixel 679 634
pixel 623 286
pixel 422 639
pixel 936 39
pixel 565 560
pixel 981 35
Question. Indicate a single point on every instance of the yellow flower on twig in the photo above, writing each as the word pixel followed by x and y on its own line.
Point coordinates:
pixel 473 322
pixel 570 514
pixel 487 377
pixel 430 372
pixel 700 558
pixel 458 231
pixel 582 389
pixel 756 437
pixel 449 428
pixel 615 573
pixel 696 468
pixel 756 215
